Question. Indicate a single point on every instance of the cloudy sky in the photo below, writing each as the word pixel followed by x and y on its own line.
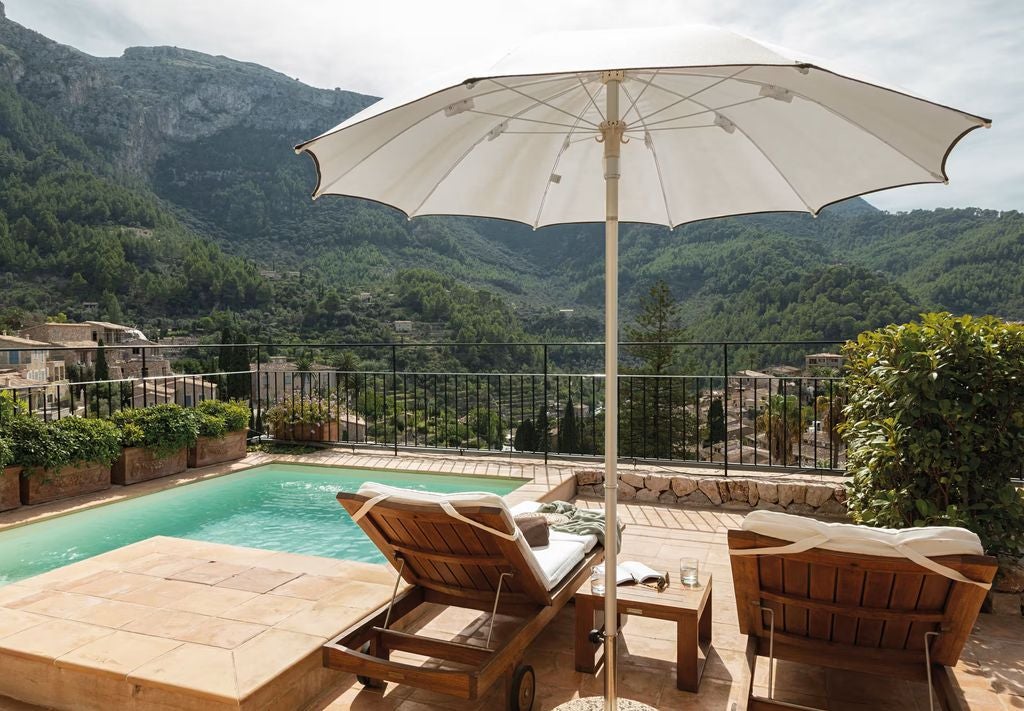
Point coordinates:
pixel 966 54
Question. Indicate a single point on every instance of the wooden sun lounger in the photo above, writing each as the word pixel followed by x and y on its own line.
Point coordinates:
pixel 873 614
pixel 452 563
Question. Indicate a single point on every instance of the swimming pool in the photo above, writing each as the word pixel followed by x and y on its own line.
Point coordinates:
pixel 281 507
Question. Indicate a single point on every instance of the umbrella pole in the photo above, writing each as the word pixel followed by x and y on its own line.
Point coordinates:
pixel 611 135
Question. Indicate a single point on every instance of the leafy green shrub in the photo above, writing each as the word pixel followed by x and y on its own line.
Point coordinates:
pixel 298 410
pixel 64 442
pixel 163 429
pixel 935 426
pixel 6 452
pixel 217 417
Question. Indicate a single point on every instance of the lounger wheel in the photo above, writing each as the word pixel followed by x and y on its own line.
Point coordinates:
pixel 365 680
pixel 522 688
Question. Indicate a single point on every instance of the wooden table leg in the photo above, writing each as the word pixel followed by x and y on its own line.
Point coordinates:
pixel 585 652
pixel 687 678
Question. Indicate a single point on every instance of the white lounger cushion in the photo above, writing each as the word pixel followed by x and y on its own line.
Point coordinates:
pixel 929 541
pixel 919 544
pixel 550 564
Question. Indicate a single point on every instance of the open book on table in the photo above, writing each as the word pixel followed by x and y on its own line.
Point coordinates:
pixel 632 572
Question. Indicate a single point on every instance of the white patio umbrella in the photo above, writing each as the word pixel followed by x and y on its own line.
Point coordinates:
pixel 697 121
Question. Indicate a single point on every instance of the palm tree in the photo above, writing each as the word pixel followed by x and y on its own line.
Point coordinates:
pixel 829 410
pixel 780 422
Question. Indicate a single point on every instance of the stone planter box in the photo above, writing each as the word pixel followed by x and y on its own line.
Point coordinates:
pixel 39 486
pixel 324 432
pixel 140 464
pixel 210 450
pixel 10 489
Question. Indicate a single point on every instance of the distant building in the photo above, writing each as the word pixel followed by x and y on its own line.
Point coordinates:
pixel 82 340
pixel 279 378
pixel 784 371
pixel 29 369
pixel 823 360
pixel 185 390
pixel 403 326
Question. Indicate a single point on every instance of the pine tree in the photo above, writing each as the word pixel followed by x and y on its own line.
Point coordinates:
pixel 526 439
pixel 716 422
pixel 651 417
pixel 102 371
pixel 569 430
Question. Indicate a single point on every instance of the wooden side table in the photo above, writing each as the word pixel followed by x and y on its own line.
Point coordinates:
pixel 690 608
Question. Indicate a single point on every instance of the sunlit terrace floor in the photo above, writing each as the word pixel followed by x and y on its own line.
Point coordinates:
pixel 230 639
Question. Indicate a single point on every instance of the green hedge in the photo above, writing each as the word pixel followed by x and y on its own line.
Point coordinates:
pixel 216 417
pixel 935 427
pixel 163 429
pixel 65 442
pixel 6 452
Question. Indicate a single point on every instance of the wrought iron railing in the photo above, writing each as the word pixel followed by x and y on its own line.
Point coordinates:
pixel 730 420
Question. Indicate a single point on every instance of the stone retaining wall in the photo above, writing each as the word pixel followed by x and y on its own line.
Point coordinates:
pixel 796 497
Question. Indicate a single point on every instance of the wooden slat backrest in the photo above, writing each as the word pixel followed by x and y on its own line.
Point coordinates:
pixel 830 598
pixel 449 556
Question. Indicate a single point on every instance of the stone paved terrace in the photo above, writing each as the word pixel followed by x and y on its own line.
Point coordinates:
pixel 129 613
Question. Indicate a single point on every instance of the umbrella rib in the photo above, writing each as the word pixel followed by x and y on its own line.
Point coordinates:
pixel 473 145
pixel 654 152
pixel 558 158
pixel 542 101
pixel 771 162
pixel 405 130
pixel 803 96
pixel 705 110
pixel 683 98
pixel 633 102
pixel 520 118
pixel 592 100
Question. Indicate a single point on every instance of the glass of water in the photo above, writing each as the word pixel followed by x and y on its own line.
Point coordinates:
pixel 689 572
pixel 597 580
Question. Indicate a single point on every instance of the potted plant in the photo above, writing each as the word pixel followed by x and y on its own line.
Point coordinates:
pixel 10 494
pixel 68 457
pixel 155 441
pixel 223 426
pixel 303 419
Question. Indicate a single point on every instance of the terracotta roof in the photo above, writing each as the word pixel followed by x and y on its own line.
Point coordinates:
pixel 19 341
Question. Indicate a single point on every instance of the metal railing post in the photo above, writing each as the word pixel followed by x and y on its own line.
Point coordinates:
pixel 725 410
pixel 259 393
pixel 544 434
pixel 394 395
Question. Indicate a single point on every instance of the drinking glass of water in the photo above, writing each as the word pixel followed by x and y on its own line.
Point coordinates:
pixel 689 572
pixel 597 580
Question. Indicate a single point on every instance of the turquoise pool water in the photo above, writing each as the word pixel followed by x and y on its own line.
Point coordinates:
pixel 281 507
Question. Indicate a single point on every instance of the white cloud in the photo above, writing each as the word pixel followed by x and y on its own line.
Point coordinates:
pixel 970 55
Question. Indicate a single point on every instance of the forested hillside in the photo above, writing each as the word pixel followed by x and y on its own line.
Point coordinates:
pixel 163 185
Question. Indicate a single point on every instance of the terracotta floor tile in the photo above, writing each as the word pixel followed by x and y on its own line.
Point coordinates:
pixel 267 609
pixel 323 621
pixel 14 621
pixel 160 592
pixel 113 584
pixel 117 653
pixel 209 573
pixel 64 605
pixel 110 613
pixel 265 655
pixel 211 601
pixel 52 639
pixel 216 632
pixel 258 580
pixel 174 624
pixel 206 670
pixel 309 587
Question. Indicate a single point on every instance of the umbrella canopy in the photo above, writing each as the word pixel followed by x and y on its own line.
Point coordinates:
pixel 697 122
pixel 717 124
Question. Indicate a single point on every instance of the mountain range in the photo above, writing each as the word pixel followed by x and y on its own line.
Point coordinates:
pixel 162 184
